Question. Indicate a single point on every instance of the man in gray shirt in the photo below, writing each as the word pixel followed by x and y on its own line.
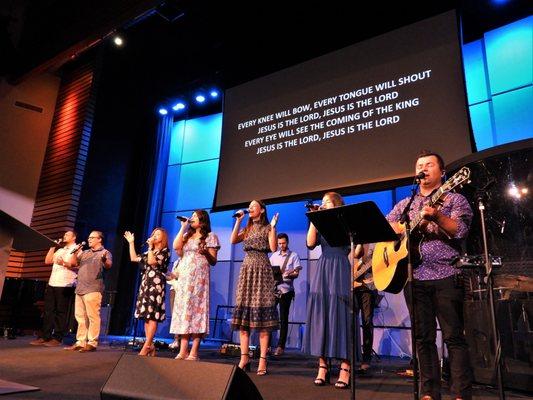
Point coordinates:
pixel 90 265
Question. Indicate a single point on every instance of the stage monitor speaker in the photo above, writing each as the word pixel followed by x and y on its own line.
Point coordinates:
pixel 137 377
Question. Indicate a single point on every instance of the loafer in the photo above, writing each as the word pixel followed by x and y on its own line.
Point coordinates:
pixel 88 348
pixel 38 342
pixel 52 343
pixel 74 347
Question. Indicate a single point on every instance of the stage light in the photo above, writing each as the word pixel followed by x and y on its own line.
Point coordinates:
pixel 214 94
pixel 200 98
pixel 178 106
pixel 500 2
pixel 163 111
pixel 118 40
pixel 517 192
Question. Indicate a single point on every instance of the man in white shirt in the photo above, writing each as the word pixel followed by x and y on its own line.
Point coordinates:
pixel 289 264
pixel 58 293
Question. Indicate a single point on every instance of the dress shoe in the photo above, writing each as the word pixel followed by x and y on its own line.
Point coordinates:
pixel 87 348
pixel 38 342
pixel 52 343
pixel 74 347
pixel 279 351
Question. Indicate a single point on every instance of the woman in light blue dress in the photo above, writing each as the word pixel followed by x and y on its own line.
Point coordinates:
pixel 327 333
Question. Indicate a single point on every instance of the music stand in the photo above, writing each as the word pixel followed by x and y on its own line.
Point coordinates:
pixel 350 225
pixel 15 234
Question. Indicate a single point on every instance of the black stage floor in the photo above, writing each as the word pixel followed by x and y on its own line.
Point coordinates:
pixel 71 375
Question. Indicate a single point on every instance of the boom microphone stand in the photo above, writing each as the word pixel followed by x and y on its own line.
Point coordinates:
pixel 410 280
pixel 490 285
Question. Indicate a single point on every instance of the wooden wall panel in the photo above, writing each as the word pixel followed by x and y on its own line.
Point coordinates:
pixel 56 203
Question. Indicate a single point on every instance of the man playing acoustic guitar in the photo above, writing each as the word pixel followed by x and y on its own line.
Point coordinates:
pixel 438 291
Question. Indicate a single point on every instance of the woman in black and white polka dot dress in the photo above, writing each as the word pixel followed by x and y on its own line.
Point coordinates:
pixel 151 298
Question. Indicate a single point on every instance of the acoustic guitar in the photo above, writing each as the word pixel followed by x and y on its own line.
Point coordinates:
pixel 389 261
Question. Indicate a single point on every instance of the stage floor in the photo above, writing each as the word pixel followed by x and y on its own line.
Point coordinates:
pixel 71 375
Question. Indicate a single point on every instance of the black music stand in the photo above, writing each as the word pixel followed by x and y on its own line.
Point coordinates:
pixel 350 225
pixel 17 235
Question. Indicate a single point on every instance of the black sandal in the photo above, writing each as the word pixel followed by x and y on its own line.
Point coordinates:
pixel 341 384
pixel 262 372
pixel 320 381
pixel 246 367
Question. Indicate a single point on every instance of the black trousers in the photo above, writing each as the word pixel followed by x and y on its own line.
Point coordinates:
pixel 443 300
pixel 57 302
pixel 284 305
pixel 366 299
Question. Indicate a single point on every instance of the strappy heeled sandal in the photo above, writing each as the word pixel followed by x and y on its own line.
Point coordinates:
pixel 341 384
pixel 262 372
pixel 321 381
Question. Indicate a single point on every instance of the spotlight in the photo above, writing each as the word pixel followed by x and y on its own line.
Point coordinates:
pixel 517 192
pixel 118 40
pixel 214 94
pixel 163 111
pixel 178 106
pixel 200 98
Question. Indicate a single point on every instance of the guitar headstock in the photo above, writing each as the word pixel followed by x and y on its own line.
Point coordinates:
pixel 457 180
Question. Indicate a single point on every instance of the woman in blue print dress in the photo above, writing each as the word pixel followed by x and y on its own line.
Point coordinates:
pixel 327 333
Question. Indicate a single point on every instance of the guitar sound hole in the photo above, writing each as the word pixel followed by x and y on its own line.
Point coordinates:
pixel 386 257
pixel 397 245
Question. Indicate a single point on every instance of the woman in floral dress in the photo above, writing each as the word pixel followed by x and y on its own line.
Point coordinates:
pixel 197 246
pixel 151 298
pixel 255 301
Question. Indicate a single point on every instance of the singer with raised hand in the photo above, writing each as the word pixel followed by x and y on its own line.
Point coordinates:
pixel 255 305
pixel 327 333
pixel 150 304
pixel 58 293
pixel 90 265
pixel 198 247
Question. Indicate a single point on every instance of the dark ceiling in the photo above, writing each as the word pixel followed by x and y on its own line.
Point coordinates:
pixel 223 42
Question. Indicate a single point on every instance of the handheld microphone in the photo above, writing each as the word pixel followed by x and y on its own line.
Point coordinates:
pixel 239 213
pixel 58 241
pixel 75 250
pixel 312 207
pixel 182 218
pixel 420 175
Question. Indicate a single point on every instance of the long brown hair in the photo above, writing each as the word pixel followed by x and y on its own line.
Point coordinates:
pixel 205 226
pixel 263 218
pixel 164 239
pixel 335 198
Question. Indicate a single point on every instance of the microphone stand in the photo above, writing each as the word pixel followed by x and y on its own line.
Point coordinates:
pixel 490 286
pixel 405 219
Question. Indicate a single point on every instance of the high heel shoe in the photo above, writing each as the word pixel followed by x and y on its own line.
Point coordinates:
pixel 321 381
pixel 262 372
pixel 341 384
pixel 148 351
pixel 246 367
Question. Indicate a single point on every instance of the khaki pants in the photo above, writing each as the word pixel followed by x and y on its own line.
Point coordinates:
pixel 87 312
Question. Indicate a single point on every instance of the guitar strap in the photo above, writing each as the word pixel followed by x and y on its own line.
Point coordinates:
pixel 285 262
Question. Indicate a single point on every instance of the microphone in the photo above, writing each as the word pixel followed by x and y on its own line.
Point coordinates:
pixel 58 241
pixel 310 206
pixel 420 175
pixel 182 218
pixel 75 250
pixel 238 214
